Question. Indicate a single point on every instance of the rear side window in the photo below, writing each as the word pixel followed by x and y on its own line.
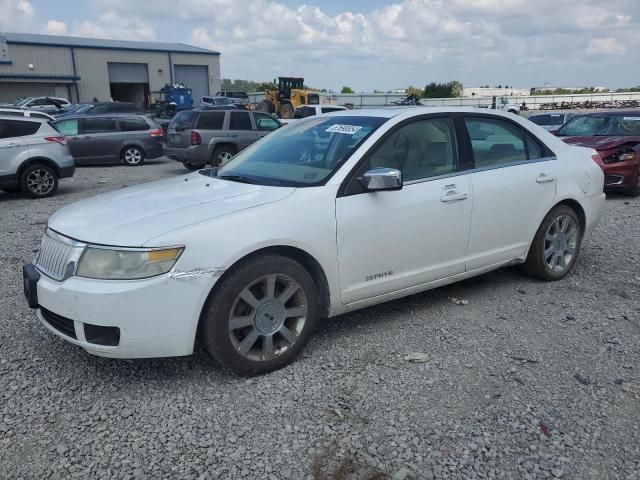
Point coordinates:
pixel 331 109
pixel 98 125
pixel 547 120
pixel 67 127
pixel 534 150
pixel 186 119
pixel 304 112
pixel 495 142
pixel 265 123
pixel 19 128
pixel 240 121
pixel 211 121
pixel 133 124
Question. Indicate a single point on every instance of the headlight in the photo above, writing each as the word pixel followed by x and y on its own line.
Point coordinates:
pixel 126 264
pixel 621 156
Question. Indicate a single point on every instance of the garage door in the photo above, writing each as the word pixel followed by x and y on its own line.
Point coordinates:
pixel 195 77
pixel 13 90
pixel 128 73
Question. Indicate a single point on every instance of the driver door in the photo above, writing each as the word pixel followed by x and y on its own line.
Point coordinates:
pixel 393 240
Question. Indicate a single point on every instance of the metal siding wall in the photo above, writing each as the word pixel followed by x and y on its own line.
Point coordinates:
pixel 92 66
pixel 211 61
pixel 46 60
pixel 9 91
pixel 128 72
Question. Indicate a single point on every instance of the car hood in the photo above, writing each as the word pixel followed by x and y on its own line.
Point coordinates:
pixel 132 216
pixel 601 143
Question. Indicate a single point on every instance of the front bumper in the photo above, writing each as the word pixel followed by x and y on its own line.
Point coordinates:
pixel 620 175
pixel 156 317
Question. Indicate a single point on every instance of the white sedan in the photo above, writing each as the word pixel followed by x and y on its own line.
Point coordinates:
pixel 331 214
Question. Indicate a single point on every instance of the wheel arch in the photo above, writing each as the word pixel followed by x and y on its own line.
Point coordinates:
pixel 35 161
pixel 224 143
pixel 297 254
pixel 131 144
pixel 576 207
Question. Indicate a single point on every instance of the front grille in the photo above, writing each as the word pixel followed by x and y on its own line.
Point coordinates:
pixel 60 323
pixel 54 256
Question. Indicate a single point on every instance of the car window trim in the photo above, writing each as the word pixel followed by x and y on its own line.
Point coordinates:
pixel 428 116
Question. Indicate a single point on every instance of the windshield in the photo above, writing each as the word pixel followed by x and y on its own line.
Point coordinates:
pixel 602 126
pixel 302 154
pixel 22 101
pixel 83 108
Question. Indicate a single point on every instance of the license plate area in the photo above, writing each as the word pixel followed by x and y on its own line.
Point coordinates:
pixel 175 139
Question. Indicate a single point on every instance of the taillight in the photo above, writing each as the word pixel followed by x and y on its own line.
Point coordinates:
pixel 61 140
pixel 195 138
pixel 156 132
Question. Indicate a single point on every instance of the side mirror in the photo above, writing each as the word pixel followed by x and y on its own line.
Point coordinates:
pixel 382 178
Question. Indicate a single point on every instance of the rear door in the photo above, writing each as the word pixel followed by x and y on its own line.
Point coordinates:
pixel 99 141
pixel 135 131
pixel 12 144
pixel 70 128
pixel 514 185
pixel 241 129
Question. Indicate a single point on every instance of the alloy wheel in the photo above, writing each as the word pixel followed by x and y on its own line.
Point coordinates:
pixel 132 156
pixel 267 317
pixel 223 157
pixel 560 243
pixel 40 182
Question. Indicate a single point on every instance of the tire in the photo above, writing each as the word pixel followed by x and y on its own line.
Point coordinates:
pixel 286 110
pixel 132 155
pixel 193 167
pixel 634 191
pixel 245 349
pixel 39 181
pixel 556 245
pixel 222 154
pixel 265 106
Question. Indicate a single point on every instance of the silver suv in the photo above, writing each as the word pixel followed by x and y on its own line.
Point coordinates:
pixel 200 136
pixel 33 156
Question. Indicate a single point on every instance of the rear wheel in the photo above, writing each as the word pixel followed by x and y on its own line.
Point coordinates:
pixel 261 315
pixel 555 247
pixel 39 181
pixel 132 155
pixel 192 166
pixel 286 110
pixel 265 106
pixel 222 154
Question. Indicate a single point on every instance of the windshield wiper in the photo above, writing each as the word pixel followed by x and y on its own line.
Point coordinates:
pixel 238 178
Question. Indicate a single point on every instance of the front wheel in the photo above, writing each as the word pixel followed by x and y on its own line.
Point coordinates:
pixel 261 315
pixel 133 156
pixel 555 247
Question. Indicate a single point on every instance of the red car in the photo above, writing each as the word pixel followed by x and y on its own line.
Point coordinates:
pixel 616 137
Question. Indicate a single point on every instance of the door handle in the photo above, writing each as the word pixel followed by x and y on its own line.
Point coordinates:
pixel 454 197
pixel 545 178
pixel 13 144
pixel 232 135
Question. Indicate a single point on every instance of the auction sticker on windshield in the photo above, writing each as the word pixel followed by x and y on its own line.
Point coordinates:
pixel 348 129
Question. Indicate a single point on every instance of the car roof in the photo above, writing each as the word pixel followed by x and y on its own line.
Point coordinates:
pixel 106 114
pixel 611 113
pixel 24 119
pixel 391 112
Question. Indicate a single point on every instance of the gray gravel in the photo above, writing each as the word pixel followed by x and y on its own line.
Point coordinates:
pixel 526 380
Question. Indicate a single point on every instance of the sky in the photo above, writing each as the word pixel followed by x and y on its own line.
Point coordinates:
pixel 372 44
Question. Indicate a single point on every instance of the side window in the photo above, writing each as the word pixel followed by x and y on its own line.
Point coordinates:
pixel 495 142
pixel 4 129
pixel 421 149
pixel 265 123
pixel 21 128
pixel 534 150
pixel 67 127
pixel 211 121
pixel 38 102
pixel 133 124
pixel 240 121
pixel 98 125
pixel 330 109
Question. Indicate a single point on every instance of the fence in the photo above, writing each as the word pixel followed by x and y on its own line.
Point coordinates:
pixel 533 102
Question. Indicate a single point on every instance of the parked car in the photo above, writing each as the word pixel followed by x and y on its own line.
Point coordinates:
pixel 239 99
pixel 200 136
pixel 112 138
pixel 102 107
pixel 19 112
pixel 72 108
pixel 304 111
pixel 248 256
pixel 615 135
pixel 215 101
pixel 41 104
pixel 551 121
pixel 33 156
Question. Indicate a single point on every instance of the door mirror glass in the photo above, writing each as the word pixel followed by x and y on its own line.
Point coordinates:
pixel 382 178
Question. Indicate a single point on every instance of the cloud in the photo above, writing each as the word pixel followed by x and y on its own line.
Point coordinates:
pixel 15 12
pixel 55 27
pixel 606 46
pixel 115 26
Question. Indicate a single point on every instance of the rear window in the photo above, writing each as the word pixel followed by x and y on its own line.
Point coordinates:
pixel 304 112
pixel 185 119
pixel 133 124
pixel 331 109
pixel 240 121
pixel 211 120
pixel 547 120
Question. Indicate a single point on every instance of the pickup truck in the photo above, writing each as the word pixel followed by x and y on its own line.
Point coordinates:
pixel 304 111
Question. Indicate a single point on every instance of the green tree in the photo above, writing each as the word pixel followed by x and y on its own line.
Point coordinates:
pixel 346 89
pixel 443 90
pixel 416 92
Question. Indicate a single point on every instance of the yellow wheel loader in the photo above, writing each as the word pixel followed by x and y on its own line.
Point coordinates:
pixel 290 94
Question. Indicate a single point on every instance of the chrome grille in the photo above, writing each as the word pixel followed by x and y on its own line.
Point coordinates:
pixel 58 256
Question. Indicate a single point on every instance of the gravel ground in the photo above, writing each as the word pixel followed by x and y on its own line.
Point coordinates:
pixel 526 380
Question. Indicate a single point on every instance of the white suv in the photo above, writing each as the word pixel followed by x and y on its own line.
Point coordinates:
pixel 250 255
